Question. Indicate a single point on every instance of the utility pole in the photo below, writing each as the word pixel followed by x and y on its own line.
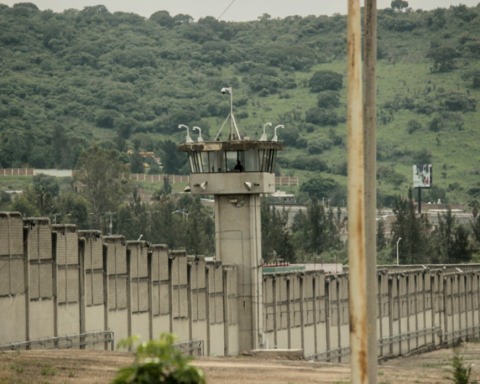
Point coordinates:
pixel 111 224
pixel 359 353
pixel 370 177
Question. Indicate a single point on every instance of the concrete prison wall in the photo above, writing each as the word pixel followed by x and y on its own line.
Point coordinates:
pixel 57 281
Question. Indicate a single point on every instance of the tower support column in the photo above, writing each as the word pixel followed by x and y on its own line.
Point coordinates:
pixel 238 242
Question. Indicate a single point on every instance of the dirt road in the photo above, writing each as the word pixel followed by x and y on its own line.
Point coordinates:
pixel 78 367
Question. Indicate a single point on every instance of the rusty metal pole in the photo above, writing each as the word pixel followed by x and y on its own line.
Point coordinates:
pixel 356 208
pixel 370 162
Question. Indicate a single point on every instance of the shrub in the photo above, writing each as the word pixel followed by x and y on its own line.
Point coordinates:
pixel 325 80
pixel 413 125
pixel 458 101
pixel 443 58
pixel 436 124
pixel 309 163
pixel 321 116
pixel 157 361
pixel 319 186
pixel 328 99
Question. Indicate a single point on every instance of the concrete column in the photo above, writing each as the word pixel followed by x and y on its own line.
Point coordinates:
pixel 400 312
pixel 54 284
pixel 129 292
pixel 81 290
pixel 106 292
pixel 302 306
pixel 408 310
pixel 207 309
pixel 275 311
pixel 289 308
pixel 390 310
pixel 27 282
pixel 327 316
pixel 226 317
pixel 315 315
pixel 150 297
pixel 339 317
pixel 380 312
pixel 238 242
pixel 445 309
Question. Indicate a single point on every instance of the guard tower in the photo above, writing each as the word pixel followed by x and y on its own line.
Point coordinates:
pixel 237 172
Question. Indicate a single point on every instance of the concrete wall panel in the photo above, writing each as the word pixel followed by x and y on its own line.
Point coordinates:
pixel 68 319
pixel 41 319
pixel 13 319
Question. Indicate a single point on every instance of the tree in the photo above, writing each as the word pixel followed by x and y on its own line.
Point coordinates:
pixel 321 116
pixel 399 5
pixel 48 182
pixel 276 235
pixel 451 242
pixel 328 99
pixel 163 18
pixel 105 180
pixel 200 230
pixel 166 189
pixel 264 17
pixel 320 231
pixel 43 195
pixel 319 187
pixel 172 160
pixel 74 210
pixel 443 58
pixel 475 206
pixel 461 250
pixel 136 163
pixel 325 80
pixel 381 238
pixel 413 229
pixel 396 179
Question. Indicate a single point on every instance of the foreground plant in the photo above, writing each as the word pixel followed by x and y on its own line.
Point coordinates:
pixel 460 372
pixel 157 361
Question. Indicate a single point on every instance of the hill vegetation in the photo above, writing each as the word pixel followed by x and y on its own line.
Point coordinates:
pixel 82 76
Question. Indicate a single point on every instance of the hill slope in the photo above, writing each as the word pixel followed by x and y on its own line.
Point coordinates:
pixel 68 79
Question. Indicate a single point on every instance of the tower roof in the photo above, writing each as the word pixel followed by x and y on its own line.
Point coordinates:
pixel 230 145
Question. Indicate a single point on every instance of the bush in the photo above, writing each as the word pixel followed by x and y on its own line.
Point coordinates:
pixel 458 101
pixel 325 80
pixel 328 99
pixel 309 163
pixel 423 156
pixel 436 124
pixel 319 187
pixel 157 361
pixel 322 117
pixel 413 126
pixel 341 169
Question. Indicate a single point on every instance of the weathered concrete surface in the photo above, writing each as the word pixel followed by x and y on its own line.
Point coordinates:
pixel 278 354
pixel 86 367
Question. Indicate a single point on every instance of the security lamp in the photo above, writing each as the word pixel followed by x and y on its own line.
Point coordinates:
pixel 199 133
pixel 204 185
pixel 275 138
pixel 188 139
pixel 187 189
pixel 264 136
pixel 248 185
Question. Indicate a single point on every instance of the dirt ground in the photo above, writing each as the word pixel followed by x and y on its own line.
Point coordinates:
pixel 69 366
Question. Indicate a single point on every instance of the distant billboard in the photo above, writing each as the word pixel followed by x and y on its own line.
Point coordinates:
pixel 422 176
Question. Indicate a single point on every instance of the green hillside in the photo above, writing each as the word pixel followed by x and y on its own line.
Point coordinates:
pixel 69 79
